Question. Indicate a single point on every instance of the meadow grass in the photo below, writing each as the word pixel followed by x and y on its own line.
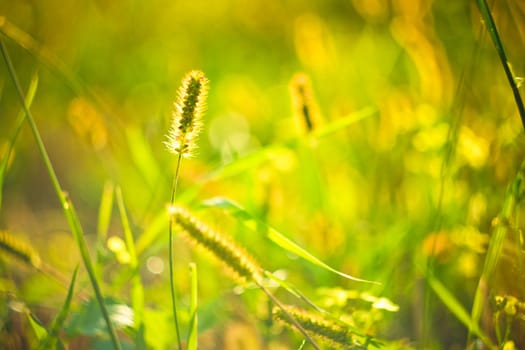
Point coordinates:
pixel 366 216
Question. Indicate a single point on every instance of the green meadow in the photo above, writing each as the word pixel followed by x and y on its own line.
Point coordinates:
pixel 262 175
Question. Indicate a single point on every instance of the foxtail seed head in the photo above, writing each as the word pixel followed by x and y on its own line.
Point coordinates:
pixel 225 250
pixel 331 332
pixel 19 249
pixel 190 105
pixel 305 108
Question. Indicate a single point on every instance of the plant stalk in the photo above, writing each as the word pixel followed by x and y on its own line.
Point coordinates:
pixel 66 203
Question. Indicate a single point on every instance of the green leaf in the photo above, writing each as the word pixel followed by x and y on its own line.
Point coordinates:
pixel 51 338
pixel 275 236
pixel 291 289
pixel 39 330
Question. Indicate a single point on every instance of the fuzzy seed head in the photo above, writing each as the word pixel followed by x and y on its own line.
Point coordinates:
pixel 14 246
pixel 232 255
pixel 305 109
pixel 189 107
pixel 331 332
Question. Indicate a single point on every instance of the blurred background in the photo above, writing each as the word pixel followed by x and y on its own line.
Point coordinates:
pixel 416 183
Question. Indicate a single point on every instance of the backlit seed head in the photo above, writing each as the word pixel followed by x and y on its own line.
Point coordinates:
pixel 230 253
pixel 189 107
pixel 333 333
pixel 305 109
pixel 18 248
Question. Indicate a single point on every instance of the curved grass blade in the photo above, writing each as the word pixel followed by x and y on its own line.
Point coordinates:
pixel 44 55
pixel 104 218
pixel 292 290
pixel 143 157
pixel 240 165
pixel 38 328
pixel 137 290
pixel 495 246
pixel 154 229
pixel 18 126
pixel 456 308
pixel 52 336
pixel 257 157
pixel 491 26
pixel 67 205
pixel 193 331
pixel 104 211
pixel 275 236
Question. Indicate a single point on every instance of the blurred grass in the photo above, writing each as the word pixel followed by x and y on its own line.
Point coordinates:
pixel 419 181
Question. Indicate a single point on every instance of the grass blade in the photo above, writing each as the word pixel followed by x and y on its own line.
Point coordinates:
pixel 193 331
pixel 40 331
pixel 18 126
pixel 456 308
pixel 52 336
pixel 67 206
pixel 491 26
pixel 292 290
pixel 495 246
pixel 137 291
pixel 153 230
pixel 143 157
pixel 275 236
pixel 104 218
pixel 45 56
pixel 248 162
pixel 104 211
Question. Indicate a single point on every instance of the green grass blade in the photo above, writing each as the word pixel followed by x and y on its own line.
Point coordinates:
pixel 344 122
pixel 193 330
pixel 491 26
pixel 240 165
pixel 104 211
pixel 143 156
pixel 275 236
pixel 292 290
pixel 137 290
pixel 47 58
pixel 495 246
pixel 456 308
pixel 52 336
pixel 18 126
pixel 67 206
pixel 257 157
pixel 104 218
pixel 40 331
pixel 152 232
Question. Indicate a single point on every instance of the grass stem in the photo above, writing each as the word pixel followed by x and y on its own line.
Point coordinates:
pixel 170 251
pixel 66 203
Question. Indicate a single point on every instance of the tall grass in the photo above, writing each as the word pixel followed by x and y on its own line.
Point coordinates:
pixel 66 203
pixel 358 204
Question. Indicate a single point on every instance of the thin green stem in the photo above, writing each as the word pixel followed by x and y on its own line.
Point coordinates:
pixel 491 26
pixel 170 251
pixel 288 315
pixel 67 206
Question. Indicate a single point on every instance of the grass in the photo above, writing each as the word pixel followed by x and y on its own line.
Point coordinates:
pixel 356 183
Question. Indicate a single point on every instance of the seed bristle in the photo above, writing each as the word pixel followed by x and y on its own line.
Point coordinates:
pixel 19 249
pixel 189 107
pixel 230 253
pixel 333 333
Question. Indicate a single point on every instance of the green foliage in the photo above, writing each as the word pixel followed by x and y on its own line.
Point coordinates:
pixel 365 153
